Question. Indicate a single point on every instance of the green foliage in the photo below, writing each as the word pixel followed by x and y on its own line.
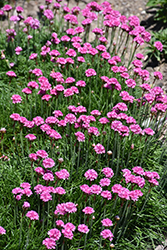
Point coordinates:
pixel 161 7
pixel 161 36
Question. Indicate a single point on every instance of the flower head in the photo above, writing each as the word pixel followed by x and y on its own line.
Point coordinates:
pixel 32 215
pixel 2 230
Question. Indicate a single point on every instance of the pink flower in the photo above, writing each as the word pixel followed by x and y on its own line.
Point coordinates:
pixel 95 189
pixel 86 189
pixel 83 228
pixel 26 204
pixel 90 72
pixel 33 85
pixel 104 182
pixel 124 193
pixel 7 8
pixel 37 72
pixel 57 113
pixel 2 230
pixel 60 209
pixel 49 243
pixel 25 185
pixel 106 55
pixel 91 175
pixel 42 154
pixel 130 83
pixel 27 91
pixel 27 192
pixel 59 223
pixel 45 196
pixel 97 31
pixel 39 189
pixel 135 128
pixel 30 137
pixel 48 163
pixel 46 97
pixel 67 233
pixel 139 56
pixel 81 59
pixel 60 190
pixel 154 182
pixel 106 194
pixel 54 233
pixel 80 136
pixel 32 215
pixel 158 75
pixel 106 233
pixel 39 171
pixel 108 172
pixel 71 53
pixel 148 131
pixel 69 226
pixel 158 45
pixel 101 48
pixel 19 9
pixel 95 112
pixel 70 207
pixel 88 210
pixel 62 174
pixel 116 188
pixel 70 118
pixel 93 130
pixel 18 50
pixel 33 157
pixel 151 175
pixel 138 170
pixel 103 120
pixel 48 177
pixel 120 106
pixel 99 149
pixel 130 119
pixel 107 222
pixel 2 13
pixel 49 14
pixel 135 194
pixel 18 197
pixel 137 63
pixel 16 98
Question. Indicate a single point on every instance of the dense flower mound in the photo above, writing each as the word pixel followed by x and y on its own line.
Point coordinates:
pixel 84 121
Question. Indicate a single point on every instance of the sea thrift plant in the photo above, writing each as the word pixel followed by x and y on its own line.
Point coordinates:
pixel 84 127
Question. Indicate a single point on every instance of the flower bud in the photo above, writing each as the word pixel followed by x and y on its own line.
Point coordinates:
pixel 109 152
pixel 112 246
pixel 3 130
pixel 60 160
pixel 117 218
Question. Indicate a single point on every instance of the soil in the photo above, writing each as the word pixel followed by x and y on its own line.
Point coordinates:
pixel 125 7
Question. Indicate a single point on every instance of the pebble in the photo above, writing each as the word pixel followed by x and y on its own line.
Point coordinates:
pixel 143 12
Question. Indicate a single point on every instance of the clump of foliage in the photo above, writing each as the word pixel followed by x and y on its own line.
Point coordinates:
pixel 161 7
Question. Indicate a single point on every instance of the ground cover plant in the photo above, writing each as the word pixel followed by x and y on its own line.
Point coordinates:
pixel 159 16
pixel 82 131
